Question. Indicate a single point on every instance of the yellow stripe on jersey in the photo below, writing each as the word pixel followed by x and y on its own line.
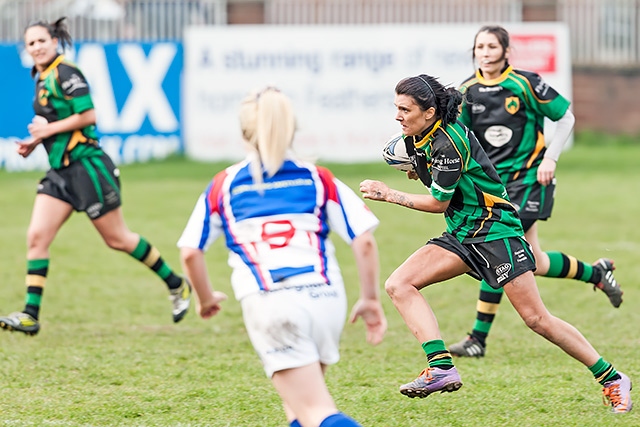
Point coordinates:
pixel 492 82
pixel 464 142
pixel 424 141
pixel 540 101
pixel 76 138
pixel 51 67
pixel 540 145
pixel 464 87
pixel 489 201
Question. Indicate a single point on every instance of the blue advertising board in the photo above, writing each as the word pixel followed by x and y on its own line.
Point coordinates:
pixel 136 91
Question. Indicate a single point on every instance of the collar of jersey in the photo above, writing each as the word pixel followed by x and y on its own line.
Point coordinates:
pixel 51 67
pixel 427 136
pixel 490 82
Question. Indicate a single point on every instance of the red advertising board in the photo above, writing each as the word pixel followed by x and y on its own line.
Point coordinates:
pixel 534 52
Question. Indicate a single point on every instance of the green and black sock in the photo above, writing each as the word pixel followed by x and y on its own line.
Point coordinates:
pixel 568 267
pixel 36 277
pixel 150 256
pixel 486 309
pixel 437 354
pixel 604 371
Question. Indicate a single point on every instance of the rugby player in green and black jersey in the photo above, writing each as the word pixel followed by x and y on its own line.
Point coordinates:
pixel 506 109
pixel 82 177
pixel 483 234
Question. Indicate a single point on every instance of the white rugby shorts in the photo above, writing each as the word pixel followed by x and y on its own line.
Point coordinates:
pixel 297 326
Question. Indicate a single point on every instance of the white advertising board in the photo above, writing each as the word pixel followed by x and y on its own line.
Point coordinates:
pixel 341 79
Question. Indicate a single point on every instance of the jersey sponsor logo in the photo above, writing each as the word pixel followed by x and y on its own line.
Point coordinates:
pixel 477 108
pixel 512 104
pixel 74 83
pixel 298 182
pixel 490 89
pixel 446 164
pixel 541 89
pixel 327 293
pixel 498 135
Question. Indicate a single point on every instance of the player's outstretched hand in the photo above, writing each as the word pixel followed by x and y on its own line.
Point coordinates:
pixel 373 317
pixel 374 190
pixel 211 307
pixel 26 147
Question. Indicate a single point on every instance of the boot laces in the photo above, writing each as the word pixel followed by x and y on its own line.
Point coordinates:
pixel 611 395
pixel 427 373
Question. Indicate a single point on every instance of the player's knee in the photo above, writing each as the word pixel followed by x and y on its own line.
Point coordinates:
pixel 115 243
pixel 395 287
pixel 534 321
pixel 36 237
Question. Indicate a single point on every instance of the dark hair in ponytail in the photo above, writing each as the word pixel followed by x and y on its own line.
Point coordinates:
pixel 428 92
pixel 57 29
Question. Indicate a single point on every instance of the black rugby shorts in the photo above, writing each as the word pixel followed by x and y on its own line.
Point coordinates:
pixel 497 262
pixel 90 185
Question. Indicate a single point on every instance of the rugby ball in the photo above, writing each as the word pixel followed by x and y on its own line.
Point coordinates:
pixel 395 154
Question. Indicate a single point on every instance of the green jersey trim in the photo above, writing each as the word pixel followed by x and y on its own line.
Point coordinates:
pixel 62 91
pixel 461 173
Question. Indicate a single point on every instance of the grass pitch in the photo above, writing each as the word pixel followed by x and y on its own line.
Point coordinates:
pixel 109 355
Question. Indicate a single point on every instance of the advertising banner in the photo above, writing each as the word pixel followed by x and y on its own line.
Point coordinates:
pixel 341 78
pixel 135 90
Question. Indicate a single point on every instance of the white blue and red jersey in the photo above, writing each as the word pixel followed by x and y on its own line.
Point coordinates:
pixel 277 232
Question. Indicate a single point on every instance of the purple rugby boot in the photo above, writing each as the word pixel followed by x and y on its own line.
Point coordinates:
pixel 432 380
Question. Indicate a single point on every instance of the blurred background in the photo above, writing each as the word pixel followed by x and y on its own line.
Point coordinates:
pixel 167 75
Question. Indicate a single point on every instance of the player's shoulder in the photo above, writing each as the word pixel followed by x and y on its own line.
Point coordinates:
pixel 531 76
pixel 468 83
pixel 233 169
pixel 536 84
pixel 302 167
pixel 444 136
pixel 324 171
pixel 71 78
pixel 457 131
pixel 451 139
pixel 67 67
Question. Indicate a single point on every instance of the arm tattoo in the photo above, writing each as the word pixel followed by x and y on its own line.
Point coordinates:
pixel 400 199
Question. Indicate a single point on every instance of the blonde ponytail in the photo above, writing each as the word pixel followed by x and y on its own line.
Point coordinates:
pixel 268 126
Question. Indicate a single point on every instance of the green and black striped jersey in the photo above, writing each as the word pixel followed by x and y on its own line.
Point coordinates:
pixel 458 170
pixel 61 91
pixel 507 115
